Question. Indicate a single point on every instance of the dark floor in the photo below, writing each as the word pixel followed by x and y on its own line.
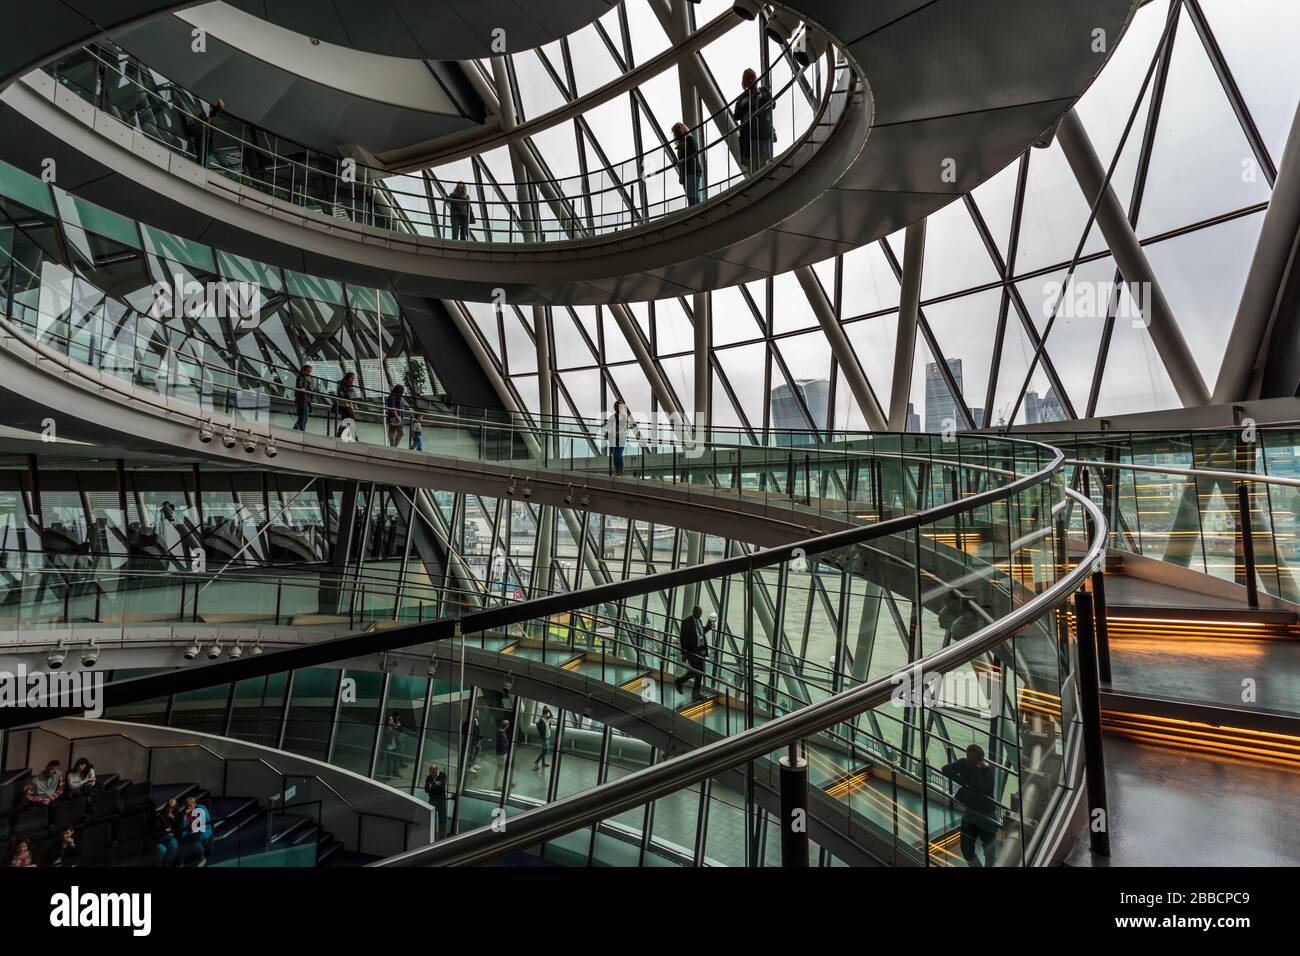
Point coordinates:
pixel 1173 809
pixel 1210 671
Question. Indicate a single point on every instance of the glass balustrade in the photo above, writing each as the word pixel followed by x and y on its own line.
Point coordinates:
pixel 843 615
pixel 1195 521
pixel 725 150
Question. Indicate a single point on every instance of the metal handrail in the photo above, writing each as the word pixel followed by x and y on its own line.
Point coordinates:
pixel 1189 472
pixel 342 648
pixel 588 807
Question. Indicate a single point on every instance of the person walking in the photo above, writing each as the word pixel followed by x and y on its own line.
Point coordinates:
pixel 460 212
pixel 474 742
pixel 690 173
pixel 543 738
pixel 695 650
pixel 753 116
pixel 503 752
pixel 616 427
pixel 393 408
pixel 302 398
pixel 344 409
pixel 974 779
pixel 417 433
pixel 435 787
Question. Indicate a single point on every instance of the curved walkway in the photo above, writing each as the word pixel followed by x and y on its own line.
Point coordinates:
pixel 1011 69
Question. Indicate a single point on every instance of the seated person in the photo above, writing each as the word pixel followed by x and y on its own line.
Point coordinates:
pixel 45 787
pixel 66 852
pixel 22 854
pixel 196 831
pixel 167 833
pixel 81 778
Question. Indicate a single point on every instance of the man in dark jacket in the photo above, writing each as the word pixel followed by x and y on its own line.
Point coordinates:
pixel 302 386
pixel 694 649
pixel 753 116
pixel 974 778
pixel 435 786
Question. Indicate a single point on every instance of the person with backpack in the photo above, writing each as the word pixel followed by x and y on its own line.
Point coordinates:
pixel 753 116
pixel 435 787
pixel 974 779
pixel 690 173
pixel 695 649
pixel 393 408
pixel 543 738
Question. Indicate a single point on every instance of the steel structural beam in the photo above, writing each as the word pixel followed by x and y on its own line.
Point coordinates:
pixel 627 325
pixel 1243 361
pixel 1133 263
pixel 909 312
pixel 842 350
pixel 466 328
pixel 447 149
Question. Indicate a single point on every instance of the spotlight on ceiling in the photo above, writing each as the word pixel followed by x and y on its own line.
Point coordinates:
pixel 228 438
pixel 191 652
pixel 56 657
pixel 236 652
pixel 214 651
pixel 271 449
pixel 528 491
pixel 205 432
pixel 89 655
pixel 250 443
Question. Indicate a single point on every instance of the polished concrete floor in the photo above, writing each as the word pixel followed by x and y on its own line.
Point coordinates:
pixel 1174 809
pixel 1124 590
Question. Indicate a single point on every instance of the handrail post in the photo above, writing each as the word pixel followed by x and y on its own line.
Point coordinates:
pixel 1247 545
pixel 794 808
pixel 1098 584
pixel 1090 715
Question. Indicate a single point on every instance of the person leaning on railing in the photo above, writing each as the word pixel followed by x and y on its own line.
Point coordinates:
pixel 689 172
pixel 753 116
